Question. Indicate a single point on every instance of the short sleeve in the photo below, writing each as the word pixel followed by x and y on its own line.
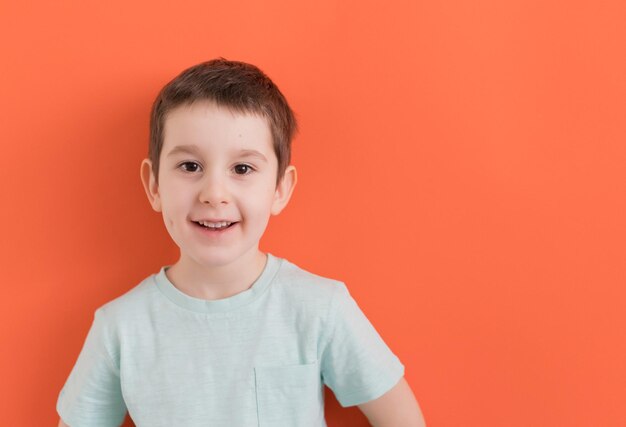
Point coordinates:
pixel 92 394
pixel 356 363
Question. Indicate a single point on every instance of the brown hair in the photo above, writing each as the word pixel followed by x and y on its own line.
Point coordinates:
pixel 239 86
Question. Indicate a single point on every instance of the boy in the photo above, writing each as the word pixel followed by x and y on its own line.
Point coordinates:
pixel 228 335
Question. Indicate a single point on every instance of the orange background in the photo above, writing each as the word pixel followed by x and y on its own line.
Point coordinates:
pixel 461 167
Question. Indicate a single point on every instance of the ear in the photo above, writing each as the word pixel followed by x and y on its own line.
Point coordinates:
pixel 284 190
pixel 150 185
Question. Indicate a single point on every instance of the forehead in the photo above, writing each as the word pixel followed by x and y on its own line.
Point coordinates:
pixel 208 126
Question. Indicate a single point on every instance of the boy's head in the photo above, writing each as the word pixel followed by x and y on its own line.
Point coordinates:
pixel 238 86
pixel 220 138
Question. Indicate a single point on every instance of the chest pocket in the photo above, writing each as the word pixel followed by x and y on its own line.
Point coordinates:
pixel 289 395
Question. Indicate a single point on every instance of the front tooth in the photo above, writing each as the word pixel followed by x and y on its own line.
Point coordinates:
pixel 215 225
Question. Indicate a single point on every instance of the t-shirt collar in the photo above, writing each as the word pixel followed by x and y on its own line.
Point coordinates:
pixel 220 305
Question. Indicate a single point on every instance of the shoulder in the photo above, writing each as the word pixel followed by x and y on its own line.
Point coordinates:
pixel 131 303
pixel 296 280
pixel 301 291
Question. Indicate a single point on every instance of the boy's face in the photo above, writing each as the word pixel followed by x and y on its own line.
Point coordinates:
pixel 204 175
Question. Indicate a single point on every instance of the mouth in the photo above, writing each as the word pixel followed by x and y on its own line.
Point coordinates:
pixel 215 230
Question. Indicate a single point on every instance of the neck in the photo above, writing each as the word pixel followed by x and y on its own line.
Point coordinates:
pixel 217 281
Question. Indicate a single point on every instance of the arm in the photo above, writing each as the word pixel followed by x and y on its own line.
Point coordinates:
pixel 396 408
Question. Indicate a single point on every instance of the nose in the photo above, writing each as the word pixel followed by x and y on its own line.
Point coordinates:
pixel 213 190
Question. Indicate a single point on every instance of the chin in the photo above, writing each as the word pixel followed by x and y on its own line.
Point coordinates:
pixel 214 261
pixel 216 258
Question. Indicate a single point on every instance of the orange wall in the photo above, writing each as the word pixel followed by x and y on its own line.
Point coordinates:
pixel 461 167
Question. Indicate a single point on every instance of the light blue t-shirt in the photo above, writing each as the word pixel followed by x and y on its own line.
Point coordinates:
pixel 257 358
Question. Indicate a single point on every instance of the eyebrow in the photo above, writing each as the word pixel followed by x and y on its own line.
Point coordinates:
pixel 193 149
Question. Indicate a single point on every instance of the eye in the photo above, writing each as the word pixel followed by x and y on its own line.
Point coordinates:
pixel 189 163
pixel 243 165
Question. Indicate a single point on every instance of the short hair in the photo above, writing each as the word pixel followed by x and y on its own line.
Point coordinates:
pixel 239 86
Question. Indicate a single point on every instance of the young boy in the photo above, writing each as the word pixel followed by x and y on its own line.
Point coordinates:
pixel 228 335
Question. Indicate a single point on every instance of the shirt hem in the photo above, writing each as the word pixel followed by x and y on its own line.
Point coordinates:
pixel 366 395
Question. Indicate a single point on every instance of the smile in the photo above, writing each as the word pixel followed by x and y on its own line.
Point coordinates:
pixel 214 231
pixel 214 224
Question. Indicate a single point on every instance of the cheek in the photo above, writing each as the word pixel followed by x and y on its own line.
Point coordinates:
pixel 174 209
pixel 263 200
pixel 169 225
pixel 176 199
